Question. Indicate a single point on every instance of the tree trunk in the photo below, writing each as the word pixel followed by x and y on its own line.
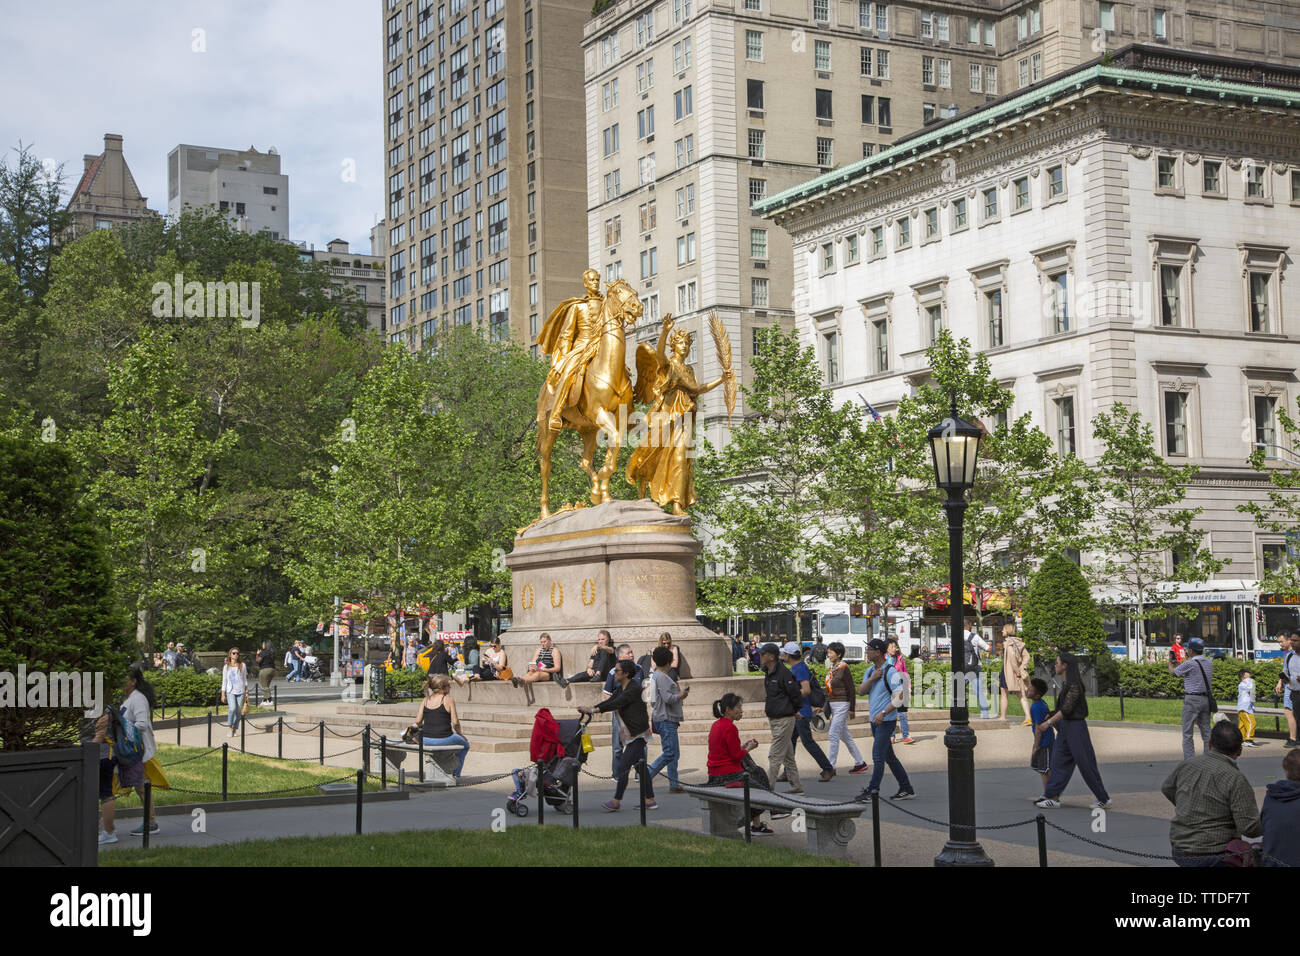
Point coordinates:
pixel 144 626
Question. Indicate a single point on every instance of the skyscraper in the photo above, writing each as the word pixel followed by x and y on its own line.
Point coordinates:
pixel 485 163
pixel 246 184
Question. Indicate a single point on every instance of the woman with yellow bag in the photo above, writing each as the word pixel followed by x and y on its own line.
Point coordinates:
pixel 234 689
pixel 137 711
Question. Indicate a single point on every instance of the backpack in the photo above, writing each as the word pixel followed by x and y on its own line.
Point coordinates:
pixel 816 693
pixel 128 744
pixel 972 661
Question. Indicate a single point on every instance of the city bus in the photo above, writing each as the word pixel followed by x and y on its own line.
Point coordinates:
pixel 1230 616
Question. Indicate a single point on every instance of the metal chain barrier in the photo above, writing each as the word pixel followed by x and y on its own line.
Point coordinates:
pixel 261 793
pixel 173 763
pixel 1106 846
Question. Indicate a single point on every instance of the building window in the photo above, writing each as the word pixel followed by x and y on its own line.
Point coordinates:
pixel 754 94
pixel 903 236
pixel 758 292
pixel 825 151
pixel 882 18
pixel 880 345
pixel 649 262
pixel 831 351
pixel 685 150
pixel 1065 444
pixel 645 76
pixel 1256 180
pixel 945 74
pixel 851 251
pixel 647 216
pixel 757 190
pixel 991 204
pixel 1159 27
pixel 1212 178
pixel 610 138
pixel 929 113
pixel 822 10
pixel 824 104
pixel 1106 16
pixel 756 143
pixel 1020 194
pixel 822 55
pixel 682 55
pixel 686 249
pixel 1295 186
pixel 758 243
pixel 990 79
pixel 933 319
pixel 882 65
pixel 685 200
pixel 976 78
pixel 1059 292
pixel 864 14
pixel 1265 409
pixel 754 45
pixel 1171 295
pixel 864 61
pixel 1055 182
pixel 993 317
pixel 931 218
pixel 1176 424
pixel 877 241
pixel 682 105
pixel 1260 311
pixel 958 214
pixel 868 110
pixel 927 69
pixel 645 122
pixel 1274 556
pixel 687 297
pixel 1022 67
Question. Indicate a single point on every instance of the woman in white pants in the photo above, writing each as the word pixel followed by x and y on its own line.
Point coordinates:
pixel 841 694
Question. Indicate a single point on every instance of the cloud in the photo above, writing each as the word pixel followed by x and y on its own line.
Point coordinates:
pixel 302 77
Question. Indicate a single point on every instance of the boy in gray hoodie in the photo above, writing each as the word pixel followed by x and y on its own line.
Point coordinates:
pixel 666 715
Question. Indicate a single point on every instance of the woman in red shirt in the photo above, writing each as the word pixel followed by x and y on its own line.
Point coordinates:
pixel 727 757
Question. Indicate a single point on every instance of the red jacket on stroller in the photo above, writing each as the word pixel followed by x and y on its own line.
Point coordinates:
pixel 545 743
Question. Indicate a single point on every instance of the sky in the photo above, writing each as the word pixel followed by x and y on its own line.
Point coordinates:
pixel 301 76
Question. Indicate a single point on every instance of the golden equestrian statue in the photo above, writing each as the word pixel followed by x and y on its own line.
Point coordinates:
pixel 587 387
pixel 665 382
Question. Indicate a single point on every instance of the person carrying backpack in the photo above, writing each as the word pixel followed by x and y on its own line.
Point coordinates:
pixel 975 646
pixel 814 699
pixel 134 746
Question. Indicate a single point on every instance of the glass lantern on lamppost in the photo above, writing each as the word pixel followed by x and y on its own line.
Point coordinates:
pixel 954 449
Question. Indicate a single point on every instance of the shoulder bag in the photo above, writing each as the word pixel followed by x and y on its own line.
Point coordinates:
pixel 1209 689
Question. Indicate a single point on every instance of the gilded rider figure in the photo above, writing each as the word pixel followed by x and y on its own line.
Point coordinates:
pixel 571 336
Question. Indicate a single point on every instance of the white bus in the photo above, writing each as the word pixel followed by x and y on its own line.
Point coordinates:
pixel 1230 616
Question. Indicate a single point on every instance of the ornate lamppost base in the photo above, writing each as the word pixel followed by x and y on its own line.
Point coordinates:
pixel 962 854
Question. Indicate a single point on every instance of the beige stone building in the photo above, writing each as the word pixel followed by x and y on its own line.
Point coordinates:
pixel 484 163
pixel 696 109
pixel 1123 233
pixel 364 274
pixel 246 184
pixel 106 195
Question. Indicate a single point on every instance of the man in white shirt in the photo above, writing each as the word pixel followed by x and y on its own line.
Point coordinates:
pixel 976 645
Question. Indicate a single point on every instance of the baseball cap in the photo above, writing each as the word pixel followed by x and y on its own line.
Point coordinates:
pixel 791 649
pixel 1196 644
pixel 876 644
pixel 769 649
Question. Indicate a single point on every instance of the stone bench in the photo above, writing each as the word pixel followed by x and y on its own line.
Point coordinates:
pixel 439 762
pixel 830 824
pixel 1267 711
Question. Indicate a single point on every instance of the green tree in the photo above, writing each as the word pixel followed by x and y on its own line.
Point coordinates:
pixel 57 608
pixel 170 540
pixel 769 498
pixel 32 219
pixel 387 527
pixel 1059 613
pixel 1140 520
pixel 1279 512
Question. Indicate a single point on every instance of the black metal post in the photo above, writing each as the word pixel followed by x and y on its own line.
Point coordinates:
pixel 420 737
pixel 178 726
pixel 575 798
pixel 162 707
pixel 279 738
pixel 242 722
pixel 148 809
pixel 541 796
pixel 322 743
pixel 1042 839
pixel 225 767
pixel 642 781
pixel 275 698
pixel 1277 701
pixel 365 748
pixel 383 761
pixel 361 787
pixel 1121 702
pixel 748 836
pixel 209 728
pixel 875 826
pixel 961 848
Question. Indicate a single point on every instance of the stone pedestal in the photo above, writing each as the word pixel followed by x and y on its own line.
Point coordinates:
pixel 625 566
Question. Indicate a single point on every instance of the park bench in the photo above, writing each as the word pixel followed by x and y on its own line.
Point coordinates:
pixel 830 824
pixel 1229 711
pixel 439 762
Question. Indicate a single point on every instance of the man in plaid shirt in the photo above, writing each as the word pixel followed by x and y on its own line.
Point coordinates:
pixel 1213 802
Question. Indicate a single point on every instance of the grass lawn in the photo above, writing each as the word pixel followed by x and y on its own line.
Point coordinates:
pixel 245 773
pixel 519 845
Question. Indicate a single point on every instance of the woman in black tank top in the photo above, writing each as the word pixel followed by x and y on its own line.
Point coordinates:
pixel 437 718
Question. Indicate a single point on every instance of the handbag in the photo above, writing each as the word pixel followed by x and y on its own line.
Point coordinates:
pixel 1209 691
pixel 757 775
pixel 410 734
pixel 505 673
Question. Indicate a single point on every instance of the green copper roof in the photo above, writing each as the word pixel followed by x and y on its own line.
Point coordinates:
pixel 989 116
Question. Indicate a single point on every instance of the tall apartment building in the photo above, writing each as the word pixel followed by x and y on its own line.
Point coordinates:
pixel 485 163
pixel 697 109
pixel 1124 233
pixel 364 274
pixel 247 184
pixel 106 195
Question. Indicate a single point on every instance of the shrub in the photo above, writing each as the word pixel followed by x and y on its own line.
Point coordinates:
pixel 57 608
pixel 1154 680
pixel 405 684
pixel 1059 614
pixel 186 688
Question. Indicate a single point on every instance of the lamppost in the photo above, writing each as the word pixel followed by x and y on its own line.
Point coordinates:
pixel 336 671
pixel 954 448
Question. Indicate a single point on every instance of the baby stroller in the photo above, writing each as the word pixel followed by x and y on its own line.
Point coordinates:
pixel 315 670
pixel 557 754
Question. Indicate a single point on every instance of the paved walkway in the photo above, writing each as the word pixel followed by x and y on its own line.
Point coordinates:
pixel 1134 760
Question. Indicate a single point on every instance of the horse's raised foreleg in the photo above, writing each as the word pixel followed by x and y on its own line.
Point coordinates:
pixel 545 442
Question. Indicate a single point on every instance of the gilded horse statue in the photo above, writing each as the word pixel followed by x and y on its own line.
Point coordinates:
pixel 588 387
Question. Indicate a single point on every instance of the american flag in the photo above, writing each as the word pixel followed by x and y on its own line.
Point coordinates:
pixel 875 415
